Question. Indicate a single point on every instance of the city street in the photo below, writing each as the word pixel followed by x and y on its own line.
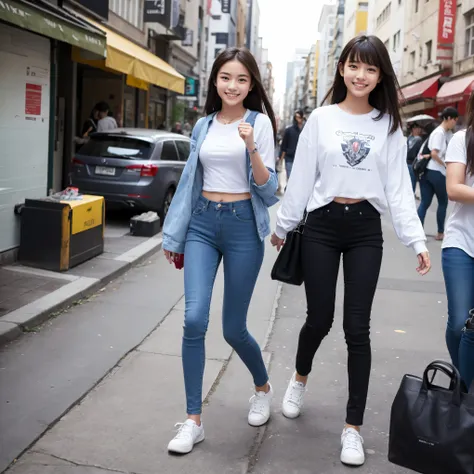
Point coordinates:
pixel 99 387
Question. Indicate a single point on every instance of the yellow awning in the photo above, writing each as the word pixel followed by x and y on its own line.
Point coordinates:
pixel 129 58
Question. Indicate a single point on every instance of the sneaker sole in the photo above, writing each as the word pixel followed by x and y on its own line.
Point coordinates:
pixel 290 416
pixel 260 424
pixel 177 451
pixel 352 463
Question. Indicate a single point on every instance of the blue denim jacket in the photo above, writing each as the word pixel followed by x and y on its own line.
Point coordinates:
pixel 190 188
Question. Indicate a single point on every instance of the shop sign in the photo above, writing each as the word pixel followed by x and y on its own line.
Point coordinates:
pixel 225 6
pixel 28 17
pixel 188 38
pixel 33 99
pixel 191 87
pixel 155 11
pixel 166 13
pixel 446 22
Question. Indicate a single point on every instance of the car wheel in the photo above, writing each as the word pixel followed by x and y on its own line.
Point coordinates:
pixel 166 204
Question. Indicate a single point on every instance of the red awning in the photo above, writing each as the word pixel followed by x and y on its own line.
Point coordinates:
pixel 425 89
pixel 455 91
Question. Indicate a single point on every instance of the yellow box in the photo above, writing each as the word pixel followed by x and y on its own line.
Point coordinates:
pixel 86 213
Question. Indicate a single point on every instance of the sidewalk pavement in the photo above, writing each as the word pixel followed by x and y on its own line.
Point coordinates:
pixel 124 424
pixel 29 296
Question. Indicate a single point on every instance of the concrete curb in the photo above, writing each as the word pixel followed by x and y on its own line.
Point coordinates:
pixel 24 319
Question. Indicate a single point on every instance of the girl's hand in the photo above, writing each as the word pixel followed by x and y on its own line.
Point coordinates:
pixel 277 242
pixel 170 256
pixel 424 263
pixel 246 133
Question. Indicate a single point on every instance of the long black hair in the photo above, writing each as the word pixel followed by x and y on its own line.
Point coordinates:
pixel 385 96
pixel 256 99
pixel 470 136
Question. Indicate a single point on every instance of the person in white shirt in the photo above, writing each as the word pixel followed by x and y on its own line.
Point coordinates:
pixel 433 180
pixel 350 167
pixel 220 213
pixel 106 122
pixel 458 249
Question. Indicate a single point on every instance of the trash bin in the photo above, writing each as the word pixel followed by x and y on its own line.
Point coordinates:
pixel 58 235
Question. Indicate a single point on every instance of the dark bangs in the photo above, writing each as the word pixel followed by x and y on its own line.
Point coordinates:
pixel 365 52
pixel 370 50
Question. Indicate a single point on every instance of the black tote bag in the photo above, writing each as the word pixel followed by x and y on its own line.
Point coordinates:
pixel 288 267
pixel 432 428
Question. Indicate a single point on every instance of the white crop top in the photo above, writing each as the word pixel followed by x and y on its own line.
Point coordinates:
pixel 351 156
pixel 223 156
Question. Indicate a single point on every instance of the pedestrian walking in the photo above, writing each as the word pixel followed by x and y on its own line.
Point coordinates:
pixel 290 141
pixel 433 180
pixel 220 212
pixel 458 249
pixel 414 143
pixel 350 167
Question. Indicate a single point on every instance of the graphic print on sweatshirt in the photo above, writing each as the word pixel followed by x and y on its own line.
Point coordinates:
pixel 355 146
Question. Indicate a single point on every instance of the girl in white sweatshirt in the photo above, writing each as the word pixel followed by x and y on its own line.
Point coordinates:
pixel 349 168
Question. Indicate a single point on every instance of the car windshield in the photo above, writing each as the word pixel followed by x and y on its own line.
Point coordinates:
pixel 117 147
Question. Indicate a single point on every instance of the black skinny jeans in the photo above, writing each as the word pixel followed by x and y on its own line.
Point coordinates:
pixel 355 232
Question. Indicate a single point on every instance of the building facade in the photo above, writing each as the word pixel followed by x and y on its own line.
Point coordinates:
pixel 222 29
pixel 427 60
pixel 242 11
pixel 387 21
pixel 294 82
pixel 355 18
pixel 119 51
pixel 456 91
pixel 253 23
pixel 326 28
pixel 337 40
pixel 308 97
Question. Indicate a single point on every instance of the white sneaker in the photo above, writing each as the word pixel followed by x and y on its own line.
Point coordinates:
pixel 189 434
pixel 260 407
pixel 293 399
pixel 352 447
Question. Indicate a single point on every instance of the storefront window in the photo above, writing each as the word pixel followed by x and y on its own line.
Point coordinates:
pixel 129 107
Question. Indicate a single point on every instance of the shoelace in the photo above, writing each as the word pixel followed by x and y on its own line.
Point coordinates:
pixel 352 440
pixel 296 395
pixel 184 430
pixel 258 405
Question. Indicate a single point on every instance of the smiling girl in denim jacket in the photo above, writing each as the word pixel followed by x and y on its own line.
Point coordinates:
pixel 220 212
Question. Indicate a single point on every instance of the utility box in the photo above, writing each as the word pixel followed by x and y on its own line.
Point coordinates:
pixel 58 235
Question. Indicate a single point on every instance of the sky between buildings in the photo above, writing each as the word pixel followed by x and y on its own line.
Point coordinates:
pixel 284 27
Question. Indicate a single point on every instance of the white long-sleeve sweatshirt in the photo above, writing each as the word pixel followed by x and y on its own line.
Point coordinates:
pixel 351 156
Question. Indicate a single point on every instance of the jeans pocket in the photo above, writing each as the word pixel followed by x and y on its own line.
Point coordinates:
pixel 243 214
pixel 199 209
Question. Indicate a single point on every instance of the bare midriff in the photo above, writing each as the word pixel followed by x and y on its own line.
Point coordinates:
pixel 341 200
pixel 225 197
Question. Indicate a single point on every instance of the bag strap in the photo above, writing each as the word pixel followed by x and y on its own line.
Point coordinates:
pixel 252 116
pixel 450 371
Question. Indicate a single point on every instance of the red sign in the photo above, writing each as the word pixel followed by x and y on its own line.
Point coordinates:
pixel 33 99
pixel 446 22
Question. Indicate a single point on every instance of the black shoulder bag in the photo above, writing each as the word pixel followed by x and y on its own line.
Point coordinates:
pixel 431 427
pixel 420 164
pixel 288 267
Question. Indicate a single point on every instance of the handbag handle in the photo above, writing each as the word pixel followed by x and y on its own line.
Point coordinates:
pixel 449 370
pixel 301 224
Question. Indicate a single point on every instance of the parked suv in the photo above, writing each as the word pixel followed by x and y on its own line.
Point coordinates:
pixel 132 168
